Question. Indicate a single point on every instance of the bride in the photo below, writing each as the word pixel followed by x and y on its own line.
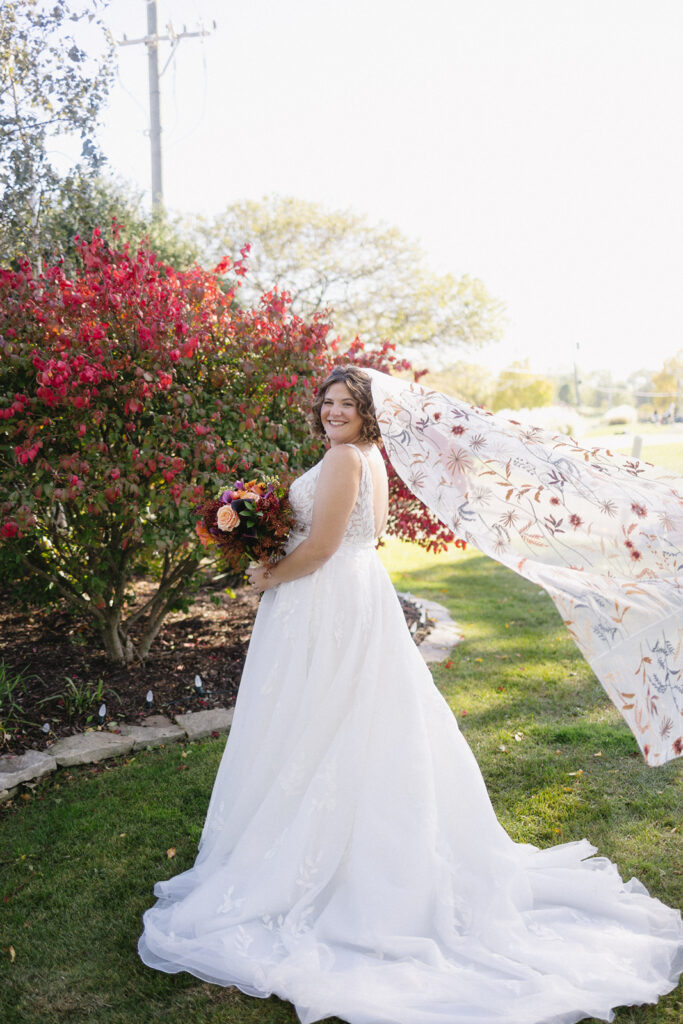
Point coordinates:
pixel 351 861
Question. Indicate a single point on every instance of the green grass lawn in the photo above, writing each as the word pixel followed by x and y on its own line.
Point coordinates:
pixel 665 456
pixel 596 427
pixel 81 851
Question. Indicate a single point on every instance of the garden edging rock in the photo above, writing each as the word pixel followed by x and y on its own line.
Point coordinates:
pixel 199 724
pixel 145 736
pixel 445 633
pixel 97 745
pixel 89 748
pixel 26 767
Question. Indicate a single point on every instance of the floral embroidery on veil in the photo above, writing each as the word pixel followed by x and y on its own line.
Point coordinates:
pixel 601 533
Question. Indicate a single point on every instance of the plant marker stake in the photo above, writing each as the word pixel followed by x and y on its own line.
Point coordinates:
pixel 102 714
pixel 149 700
pixel 199 686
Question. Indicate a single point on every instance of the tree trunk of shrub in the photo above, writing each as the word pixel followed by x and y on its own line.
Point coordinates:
pixel 118 646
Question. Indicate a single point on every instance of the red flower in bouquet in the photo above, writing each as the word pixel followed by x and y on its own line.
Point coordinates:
pixel 249 522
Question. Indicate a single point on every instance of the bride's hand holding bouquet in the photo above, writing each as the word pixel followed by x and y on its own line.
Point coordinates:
pixel 249 522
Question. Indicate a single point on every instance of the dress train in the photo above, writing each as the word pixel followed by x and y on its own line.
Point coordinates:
pixel 351 861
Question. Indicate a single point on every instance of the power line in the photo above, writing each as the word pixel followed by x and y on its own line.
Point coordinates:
pixel 608 390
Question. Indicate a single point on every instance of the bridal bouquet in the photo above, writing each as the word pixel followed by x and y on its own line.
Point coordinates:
pixel 249 522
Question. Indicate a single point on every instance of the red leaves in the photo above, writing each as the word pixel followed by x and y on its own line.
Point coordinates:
pixel 411 520
pixel 26 455
pixel 130 391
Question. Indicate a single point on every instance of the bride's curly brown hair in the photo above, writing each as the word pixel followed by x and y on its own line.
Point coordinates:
pixel 358 383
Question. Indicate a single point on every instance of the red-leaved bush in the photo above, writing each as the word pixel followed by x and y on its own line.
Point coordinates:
pixel 128 393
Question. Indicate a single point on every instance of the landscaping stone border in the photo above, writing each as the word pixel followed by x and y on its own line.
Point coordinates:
pixel 117 740
pixel 445 633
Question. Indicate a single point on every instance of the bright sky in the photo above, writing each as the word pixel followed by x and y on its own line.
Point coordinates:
pixel 536 144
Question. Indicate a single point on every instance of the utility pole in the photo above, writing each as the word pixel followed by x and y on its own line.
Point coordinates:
pixel 151 41
pixel 154 105
pixel 577 382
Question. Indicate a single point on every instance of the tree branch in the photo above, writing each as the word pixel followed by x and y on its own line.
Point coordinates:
pixel 153 603
pixel 64 588
pixel 156 621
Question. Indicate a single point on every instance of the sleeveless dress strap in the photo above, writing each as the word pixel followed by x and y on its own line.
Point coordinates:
pixel 364 466
pixel 365 490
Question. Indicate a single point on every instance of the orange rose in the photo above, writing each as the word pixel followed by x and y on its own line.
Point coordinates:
pixel 227 519
pixel 250 495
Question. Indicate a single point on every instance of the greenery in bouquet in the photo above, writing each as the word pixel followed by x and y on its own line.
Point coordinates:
pixel 248 522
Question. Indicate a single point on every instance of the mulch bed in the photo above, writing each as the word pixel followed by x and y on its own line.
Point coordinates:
pixel 66 676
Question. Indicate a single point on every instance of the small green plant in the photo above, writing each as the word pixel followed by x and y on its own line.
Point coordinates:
pixel 13 684
pixel 77 700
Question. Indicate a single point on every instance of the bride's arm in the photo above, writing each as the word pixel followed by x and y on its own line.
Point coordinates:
pixel 335 496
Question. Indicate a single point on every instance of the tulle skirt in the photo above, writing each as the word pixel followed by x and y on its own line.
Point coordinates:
pixel 351 861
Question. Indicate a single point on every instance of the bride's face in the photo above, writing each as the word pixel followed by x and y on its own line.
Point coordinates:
pixel 339 415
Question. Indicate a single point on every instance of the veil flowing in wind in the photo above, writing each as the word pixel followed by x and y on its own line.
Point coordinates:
pixel 602 534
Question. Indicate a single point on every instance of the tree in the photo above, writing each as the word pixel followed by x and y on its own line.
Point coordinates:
pixel 49 87
pixel 640 387
pixel 469 381
pixel 125 388
pixel 564 393
pixel 667 383
pixel 130 392
pixel 600 389
pixel 372 278
pixel 83 203
pixel 519 388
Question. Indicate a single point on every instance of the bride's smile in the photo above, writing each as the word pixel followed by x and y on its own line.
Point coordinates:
pixel 339 414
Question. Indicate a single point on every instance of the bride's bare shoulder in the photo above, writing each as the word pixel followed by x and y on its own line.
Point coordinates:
pixel 342 455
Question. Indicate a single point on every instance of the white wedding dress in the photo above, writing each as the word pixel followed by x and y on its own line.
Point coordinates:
pixel 351 861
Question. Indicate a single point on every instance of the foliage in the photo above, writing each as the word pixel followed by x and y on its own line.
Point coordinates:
pixel 600 389
pixel 77 699
pixel 128 393
pixel 374 279
pixel 640 390
pixel 49 87
pixel 667 383
pixel 468 381
pixel 82 203
pixel 12 685
pixel 519 388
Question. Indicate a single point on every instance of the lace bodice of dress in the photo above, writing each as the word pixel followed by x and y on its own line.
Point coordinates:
pixel 360 528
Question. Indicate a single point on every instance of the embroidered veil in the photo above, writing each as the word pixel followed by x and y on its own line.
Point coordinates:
pixel 601 533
